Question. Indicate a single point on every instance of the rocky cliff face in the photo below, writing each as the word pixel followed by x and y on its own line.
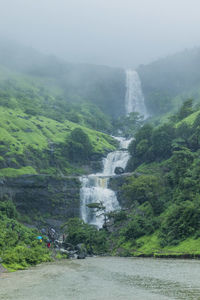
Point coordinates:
pixel 43 198
pixel 115 184
pixel 50 201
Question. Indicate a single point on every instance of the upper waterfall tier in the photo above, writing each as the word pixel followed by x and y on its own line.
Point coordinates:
pixel 134 100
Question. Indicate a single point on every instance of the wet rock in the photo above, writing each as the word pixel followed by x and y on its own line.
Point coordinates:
pixel 119 170
pixel 81 251
pixel 116 184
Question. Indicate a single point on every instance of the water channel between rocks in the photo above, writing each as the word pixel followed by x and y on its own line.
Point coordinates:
pixel 105 278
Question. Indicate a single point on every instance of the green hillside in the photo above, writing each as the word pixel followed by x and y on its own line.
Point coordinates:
pixel 27 141
pixel 51 123
pixel 162 197
pixel 56 119
pixel 167 82
pixel 36 96
pixel 101 86
pixel 38 116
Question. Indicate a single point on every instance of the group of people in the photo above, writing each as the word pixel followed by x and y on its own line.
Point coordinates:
pixel 51 236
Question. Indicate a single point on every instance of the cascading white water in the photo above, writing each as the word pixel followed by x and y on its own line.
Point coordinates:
pixel 117 158
pixel 95 187
pixel 134 100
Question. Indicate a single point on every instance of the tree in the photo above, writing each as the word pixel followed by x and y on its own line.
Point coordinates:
pixel 180 161
pixel 79 147
pixel 128 125
pixel 162 141
pixel 100 210
pixel 140 147
pixel 79 232
pixel 180 221
pixel 186 109
pixel 145 188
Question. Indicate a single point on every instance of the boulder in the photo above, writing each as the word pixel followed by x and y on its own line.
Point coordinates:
pixel 119 170
pixel 81 251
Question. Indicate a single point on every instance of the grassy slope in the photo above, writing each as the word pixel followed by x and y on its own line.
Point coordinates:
pixel 15 129
pixel 20 131
pixel 29 82
pixel 150 246
pixel 190 119
pixel 176 104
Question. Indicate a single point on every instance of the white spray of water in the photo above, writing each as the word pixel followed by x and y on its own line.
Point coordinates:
pixel 95 186
pixel 134 100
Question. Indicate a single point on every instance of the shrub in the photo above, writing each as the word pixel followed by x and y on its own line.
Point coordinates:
pixel 80 232
pixel 180 221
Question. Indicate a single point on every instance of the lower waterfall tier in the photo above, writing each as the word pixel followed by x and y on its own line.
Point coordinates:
pixel 95 186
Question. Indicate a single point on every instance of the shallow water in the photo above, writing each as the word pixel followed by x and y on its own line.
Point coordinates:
pixel 106 278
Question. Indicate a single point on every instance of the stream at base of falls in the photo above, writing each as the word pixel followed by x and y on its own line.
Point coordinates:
pixel 95 186
pixel 105 278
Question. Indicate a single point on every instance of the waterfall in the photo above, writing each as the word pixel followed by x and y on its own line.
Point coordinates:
pixel 95 186
pixel 134 100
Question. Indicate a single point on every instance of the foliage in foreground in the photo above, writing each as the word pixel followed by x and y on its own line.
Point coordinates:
pixel 79 232
pixel 18 245
pixel 162 195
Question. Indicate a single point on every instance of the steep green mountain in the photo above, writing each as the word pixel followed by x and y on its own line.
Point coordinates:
pixel 55 119
pixel 38 119
pixel 168 81
pixel 34 97
pixel 161 199
pixel 51 131
pixel 40 145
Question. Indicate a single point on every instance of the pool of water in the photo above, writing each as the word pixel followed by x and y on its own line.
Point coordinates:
pixel 106 278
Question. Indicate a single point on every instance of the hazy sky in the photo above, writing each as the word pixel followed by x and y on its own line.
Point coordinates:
pixel 111 32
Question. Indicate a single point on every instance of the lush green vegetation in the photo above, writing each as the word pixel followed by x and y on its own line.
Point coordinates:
pixel 75 86
pixel 38 114
pixel 162 197
pixel 19 247
pixel 78 232
pixel 36 144
pixel 55 119
pixel 127 125
pixel 161 216
pixel 32 96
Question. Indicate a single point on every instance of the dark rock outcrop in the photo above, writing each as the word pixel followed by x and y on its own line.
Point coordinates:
pixel 119 170
pixel 44 198
pixel 81 251
pixel 116 183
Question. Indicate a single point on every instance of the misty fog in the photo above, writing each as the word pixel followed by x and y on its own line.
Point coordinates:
pixel 110 32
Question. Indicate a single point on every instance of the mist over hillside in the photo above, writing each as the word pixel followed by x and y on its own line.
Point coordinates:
pixel 162 80
pixel 166 78
pixel 100 85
